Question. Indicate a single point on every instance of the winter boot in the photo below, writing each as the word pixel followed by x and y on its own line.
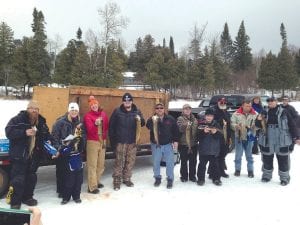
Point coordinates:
pixel 169 184
pixel 128 183
pixel 30 202
pixel 157 182
pixel 237 173
pixel 250 174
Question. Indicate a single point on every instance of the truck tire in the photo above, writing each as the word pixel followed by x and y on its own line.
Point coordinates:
pixel 3 182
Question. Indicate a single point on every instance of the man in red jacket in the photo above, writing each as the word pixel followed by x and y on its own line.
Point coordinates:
pixel 96 124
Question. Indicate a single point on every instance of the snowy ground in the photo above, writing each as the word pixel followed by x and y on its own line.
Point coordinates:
pixel 241 200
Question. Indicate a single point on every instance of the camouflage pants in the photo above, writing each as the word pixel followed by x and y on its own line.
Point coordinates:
pixel 124 162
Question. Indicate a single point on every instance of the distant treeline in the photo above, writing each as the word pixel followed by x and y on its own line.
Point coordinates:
pixel 222 65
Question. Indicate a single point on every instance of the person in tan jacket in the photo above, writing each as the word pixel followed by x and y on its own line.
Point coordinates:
pixel 187 147
pixel 243 123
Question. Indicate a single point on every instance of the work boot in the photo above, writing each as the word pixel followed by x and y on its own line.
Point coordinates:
pixel 30 202
pixel 265 180
pixel 193 179
pixel 95 191
pixel 250 174
pixel 284 182
pixel 217 182
pixel 157 182
pixel 200 182
pixel 100 185
pixel 128 183
pixel 64 201
pixel 169 184
pixel 225 175
pixel 183 180
pixel 237 173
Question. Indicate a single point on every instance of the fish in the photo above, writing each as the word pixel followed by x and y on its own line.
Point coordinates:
pixel 188 134
pixel 138 129
pixel 99 126
pixel 155 128
pixel 225 130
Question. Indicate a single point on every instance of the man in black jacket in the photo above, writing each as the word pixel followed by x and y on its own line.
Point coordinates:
pixel 222 117
pixel 27 133
pixel 164 137
pixel 124 125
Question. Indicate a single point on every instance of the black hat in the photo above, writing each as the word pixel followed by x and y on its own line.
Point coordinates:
pixel 285 97
pixel 209 111
pixel 127 97
pixel 271 99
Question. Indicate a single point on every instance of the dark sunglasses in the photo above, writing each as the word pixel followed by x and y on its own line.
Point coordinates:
pixel 159 108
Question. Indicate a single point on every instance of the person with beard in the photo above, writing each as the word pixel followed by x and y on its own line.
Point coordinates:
pixel 27 133
pixel 188 125
pixel 123 127
pixel 257 106
pixel 69 138
pixel 222 117
pixel 96 124
pixel 278 131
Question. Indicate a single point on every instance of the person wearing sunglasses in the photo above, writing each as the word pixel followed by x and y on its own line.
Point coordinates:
pixel 164 137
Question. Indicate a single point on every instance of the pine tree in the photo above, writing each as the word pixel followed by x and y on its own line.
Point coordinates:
pixel 286 70
pixel 268 73
pixel 171 47
pixel 6 53
pixel 39 60
pixel 80 70
pixel 242 52
pixel 79 34
pixel 226 45
pixel 164 43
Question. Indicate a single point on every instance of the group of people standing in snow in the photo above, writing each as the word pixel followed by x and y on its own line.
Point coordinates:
pixel 207 137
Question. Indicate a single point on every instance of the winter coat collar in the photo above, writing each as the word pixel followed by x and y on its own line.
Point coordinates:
pixel 133 108
pixel 240 110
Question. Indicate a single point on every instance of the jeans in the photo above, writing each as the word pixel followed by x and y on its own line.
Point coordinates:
pixel 165 151
pixel 240 147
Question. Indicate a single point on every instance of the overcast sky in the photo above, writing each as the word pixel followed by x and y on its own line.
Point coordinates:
pixel 163 18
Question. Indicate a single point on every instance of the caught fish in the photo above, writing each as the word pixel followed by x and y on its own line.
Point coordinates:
pixel 78 135
pixel 225 130
pixel 188 136
pixel 100 130
pixel 138 129
pixel 32 141
pixel 155 128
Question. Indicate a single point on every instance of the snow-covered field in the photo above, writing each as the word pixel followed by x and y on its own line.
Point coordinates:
pixel 239 201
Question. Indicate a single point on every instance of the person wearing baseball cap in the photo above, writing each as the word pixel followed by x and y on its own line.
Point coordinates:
pixel 187 146
pixel 278 133
pixel 123 129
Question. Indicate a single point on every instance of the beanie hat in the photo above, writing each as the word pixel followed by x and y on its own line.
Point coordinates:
pixel 127 97
pixel 209 111
pixel 73 106
pixel 92 101
pixel 33 104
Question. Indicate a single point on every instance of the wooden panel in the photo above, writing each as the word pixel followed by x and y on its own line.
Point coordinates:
pixel 110 99
pixel 53 102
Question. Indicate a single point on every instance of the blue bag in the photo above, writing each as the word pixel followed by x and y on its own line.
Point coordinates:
pixel 50 149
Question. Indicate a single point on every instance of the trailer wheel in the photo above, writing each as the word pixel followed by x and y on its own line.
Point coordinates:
pixel 3 182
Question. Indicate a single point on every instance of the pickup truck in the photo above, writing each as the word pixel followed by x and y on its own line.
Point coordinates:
pixel 54 101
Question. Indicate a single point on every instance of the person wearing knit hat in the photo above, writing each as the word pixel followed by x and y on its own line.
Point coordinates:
pixel 96 124
pixel 27 133
pixel 124 130
pixel 69 138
